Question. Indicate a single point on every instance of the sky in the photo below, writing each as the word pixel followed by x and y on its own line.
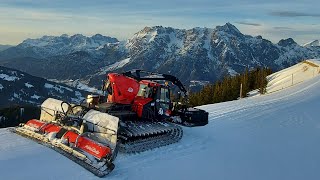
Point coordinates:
pixel 272 19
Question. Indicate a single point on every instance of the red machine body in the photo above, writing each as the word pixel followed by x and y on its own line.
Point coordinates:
pixel 126 90
pixel 122 89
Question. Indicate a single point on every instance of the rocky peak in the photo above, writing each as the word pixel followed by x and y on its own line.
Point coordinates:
pixel 287 42
pixel 229 29
pixel 64 36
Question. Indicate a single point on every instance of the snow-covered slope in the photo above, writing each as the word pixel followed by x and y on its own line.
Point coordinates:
pixel 312 43
pixel 17 87
pixel 293 75
pixel 275 136
pixel 114 66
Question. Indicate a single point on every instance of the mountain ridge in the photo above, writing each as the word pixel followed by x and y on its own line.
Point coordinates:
pixel 47 46
pixel 197 54
pixel 4 47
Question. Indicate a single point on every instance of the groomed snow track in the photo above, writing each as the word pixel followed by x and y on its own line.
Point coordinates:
pixel 100 172
pixel 142 136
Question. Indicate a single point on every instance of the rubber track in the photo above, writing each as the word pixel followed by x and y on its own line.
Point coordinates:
pixel 85 165
pixel 145 136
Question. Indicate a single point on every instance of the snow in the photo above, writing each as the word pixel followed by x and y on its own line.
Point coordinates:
pixel 175 43
pixel 48 86
pixel 35 96
pixel 147 35
pixel 79 98
pixel 71 43
pixel 81 86
pixel 150 36
pixel 8 78
pixel 198 83
pixel 293 75
pixel 57 87
pixel 273 136
pixel 16 95
pixel 28 85
pixel 312 43
pixel 1 87
pixel 30 160
pixel 115 66
pixel 232 72
pixel 77 84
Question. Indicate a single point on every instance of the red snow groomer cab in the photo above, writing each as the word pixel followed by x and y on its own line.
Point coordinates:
pixel 148 94
pixel 148 116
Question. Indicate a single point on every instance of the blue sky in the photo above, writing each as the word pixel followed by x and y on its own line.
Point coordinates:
pixel 273 19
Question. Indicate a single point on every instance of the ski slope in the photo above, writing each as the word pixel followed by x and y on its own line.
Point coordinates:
pixel 274 136
pixel 293 75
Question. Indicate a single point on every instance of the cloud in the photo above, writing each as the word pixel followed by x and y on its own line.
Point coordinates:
pixel 293 14
pixel 13 15
pixel 248 23
pixel 282 28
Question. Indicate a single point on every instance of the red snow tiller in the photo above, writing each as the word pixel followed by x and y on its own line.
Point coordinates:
pixel 135 114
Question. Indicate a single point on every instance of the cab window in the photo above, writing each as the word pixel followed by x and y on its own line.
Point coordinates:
pixel 143 90
pixel 164 96
pixel 108 87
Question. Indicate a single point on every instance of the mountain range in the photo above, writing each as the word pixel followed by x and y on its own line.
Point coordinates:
pixel 19 88
pixel 193 55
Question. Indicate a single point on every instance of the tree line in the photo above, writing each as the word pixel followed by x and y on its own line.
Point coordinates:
pixel 14 115
pixel 228 89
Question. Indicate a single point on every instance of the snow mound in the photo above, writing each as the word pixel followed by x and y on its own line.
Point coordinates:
pixel 293 75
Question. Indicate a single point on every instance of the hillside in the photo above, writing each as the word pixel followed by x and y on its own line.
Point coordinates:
pixel 274 136
pixel 19 88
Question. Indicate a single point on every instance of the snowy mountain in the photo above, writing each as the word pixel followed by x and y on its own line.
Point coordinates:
pixel 275 136
pixel 194 55
pixel 47 46
pixel 204 54
pixel 18 88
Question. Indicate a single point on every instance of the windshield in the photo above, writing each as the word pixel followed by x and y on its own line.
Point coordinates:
pixel 107 87
pixel 143 90
pixel 164 96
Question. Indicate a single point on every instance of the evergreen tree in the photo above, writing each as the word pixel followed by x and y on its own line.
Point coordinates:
pixel 229 88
